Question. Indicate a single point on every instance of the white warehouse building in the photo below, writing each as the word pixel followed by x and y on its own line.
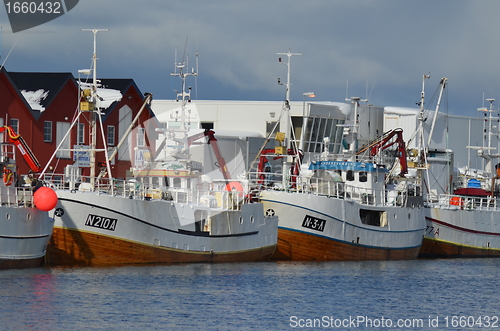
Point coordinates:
pixel 252 121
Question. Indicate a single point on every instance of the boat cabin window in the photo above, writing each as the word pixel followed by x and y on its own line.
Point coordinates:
pixel 363 176
pixel 373 217
pixel 177 182
pixel 316 129
pixel 155 181
pixel 350 175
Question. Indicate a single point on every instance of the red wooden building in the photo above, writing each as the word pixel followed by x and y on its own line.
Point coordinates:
pixel 41 107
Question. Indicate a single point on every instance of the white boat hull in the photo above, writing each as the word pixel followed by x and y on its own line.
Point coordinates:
pixel 314 227
pixel 24 235
pixel 100 229
pixel 456 232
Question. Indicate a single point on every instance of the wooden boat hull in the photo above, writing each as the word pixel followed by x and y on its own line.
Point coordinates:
pixel 461 233
pixel 320 228
pixel 92 229
pixel 73 247
pixel 442 249
pixel 299 246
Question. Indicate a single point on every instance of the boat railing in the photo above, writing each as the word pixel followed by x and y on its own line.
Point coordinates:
pixel 212 196
pixel 455 202
pixel 355 158
pixel 11 196
pixel 329 188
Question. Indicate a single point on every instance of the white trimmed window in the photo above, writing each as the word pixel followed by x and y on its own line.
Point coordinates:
pixel 47 131
pixel 80 137
pixel 14 123
pixel 111 135
pixel 141 137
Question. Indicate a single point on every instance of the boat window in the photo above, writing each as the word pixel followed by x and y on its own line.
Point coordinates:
pixel 373 217
pixel 363 176
pixel 316 129
pixel 156 181
pixel 315 135
pixel 350 175
pixel 177 182
pixel 329 128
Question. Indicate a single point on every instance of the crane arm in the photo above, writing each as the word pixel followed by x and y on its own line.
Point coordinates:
pixel 383 143
pixel 21 145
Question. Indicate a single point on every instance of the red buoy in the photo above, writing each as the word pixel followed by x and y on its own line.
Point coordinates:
pixel 45 198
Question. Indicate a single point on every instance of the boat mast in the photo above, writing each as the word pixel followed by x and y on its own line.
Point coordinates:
pixel 287 118
pixel 485 152
pixel 353 146
pixel 286 127
pixel 420 138
pixel 93 132
pixel 185 98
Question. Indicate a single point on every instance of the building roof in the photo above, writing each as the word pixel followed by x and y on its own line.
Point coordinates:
pixel 121 86
pixel 39 88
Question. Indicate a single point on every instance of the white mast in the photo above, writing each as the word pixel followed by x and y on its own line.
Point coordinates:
pixel 353 146
pixel 287 119
pixel 286 127
pixel 93 133
pixel 185 97
pixel 485 151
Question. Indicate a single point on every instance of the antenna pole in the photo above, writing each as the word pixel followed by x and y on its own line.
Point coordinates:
pixel 93 133
pixel 286 127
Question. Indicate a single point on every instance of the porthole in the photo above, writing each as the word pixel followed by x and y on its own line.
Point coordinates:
pixel 28 217
pixel 252 219
pixel 241 220
pixel 7 216
pixel 409 215
pixel 395 216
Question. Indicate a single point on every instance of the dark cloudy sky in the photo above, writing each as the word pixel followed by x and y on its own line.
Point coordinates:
pixel 383 46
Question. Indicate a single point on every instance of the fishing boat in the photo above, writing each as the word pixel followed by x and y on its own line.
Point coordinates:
pixel 345 207
pixel 168 211
pixel 25 225
pixel 353 204
pixel 464 219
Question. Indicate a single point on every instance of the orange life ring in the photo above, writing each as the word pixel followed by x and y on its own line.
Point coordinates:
pixel 235 187
pixel 457 201
pixel 8 177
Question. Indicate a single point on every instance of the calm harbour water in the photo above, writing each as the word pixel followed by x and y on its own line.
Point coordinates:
pixel 255 296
